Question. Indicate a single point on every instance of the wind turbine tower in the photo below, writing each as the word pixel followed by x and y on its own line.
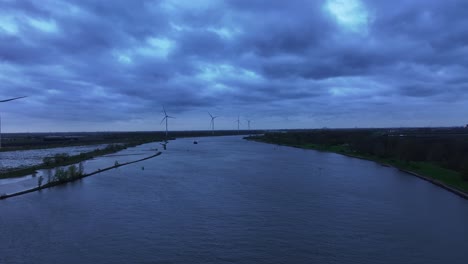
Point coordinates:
pixel 248 125
pixel 165 118
pixel 3 101
pixel 238 124
pixel 212 122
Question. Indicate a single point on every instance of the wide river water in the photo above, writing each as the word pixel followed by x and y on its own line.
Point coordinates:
pixel 227 200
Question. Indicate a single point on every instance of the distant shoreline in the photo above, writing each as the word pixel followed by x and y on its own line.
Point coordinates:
pixel 126 139
pixel 28 141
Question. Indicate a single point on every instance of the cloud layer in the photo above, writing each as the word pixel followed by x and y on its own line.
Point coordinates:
pixel 96 65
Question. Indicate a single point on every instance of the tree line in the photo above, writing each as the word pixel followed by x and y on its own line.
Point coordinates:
pixel 448 150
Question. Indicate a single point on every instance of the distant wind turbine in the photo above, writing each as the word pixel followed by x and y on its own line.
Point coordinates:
pixel 212 122
pixel 3 101
pixel 238 124
pixel 166 117
pixel 248 125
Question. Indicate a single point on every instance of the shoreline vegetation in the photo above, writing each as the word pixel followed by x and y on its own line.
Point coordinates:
pixel 449 179
pixel 116 141
pixel 63 159
pixel 73 173
pixel 28 141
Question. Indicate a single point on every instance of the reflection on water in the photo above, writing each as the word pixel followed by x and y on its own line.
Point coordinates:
pixel 227 200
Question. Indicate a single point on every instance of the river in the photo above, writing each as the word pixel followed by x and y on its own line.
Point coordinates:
pixel 228 200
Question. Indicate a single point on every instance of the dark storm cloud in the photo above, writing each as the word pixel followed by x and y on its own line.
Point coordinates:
pixel 201 43
pixel 101 61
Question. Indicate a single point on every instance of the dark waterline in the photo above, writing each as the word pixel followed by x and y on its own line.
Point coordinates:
pixel 227 200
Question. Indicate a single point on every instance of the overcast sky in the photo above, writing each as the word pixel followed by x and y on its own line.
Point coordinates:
pixel 112 65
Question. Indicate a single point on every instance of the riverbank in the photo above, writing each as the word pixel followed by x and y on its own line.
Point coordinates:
pixel 72 179
pixel 29 141
pixel 444 178
pixel 60 160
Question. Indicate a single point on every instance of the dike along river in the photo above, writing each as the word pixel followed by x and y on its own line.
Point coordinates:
pixel 227 200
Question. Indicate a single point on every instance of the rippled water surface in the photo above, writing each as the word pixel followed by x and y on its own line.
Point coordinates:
pixel 227 200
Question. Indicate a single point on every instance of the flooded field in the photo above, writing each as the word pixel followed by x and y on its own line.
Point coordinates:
pixel 18 158
pixel 12 185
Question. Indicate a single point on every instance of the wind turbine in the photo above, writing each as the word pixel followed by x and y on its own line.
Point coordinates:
pixel 3 101
pixel 166 117
pixel 238 124
pixel 212 122
pixel 248 123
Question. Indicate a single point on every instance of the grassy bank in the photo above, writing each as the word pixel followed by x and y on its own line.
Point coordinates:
pixel 450 178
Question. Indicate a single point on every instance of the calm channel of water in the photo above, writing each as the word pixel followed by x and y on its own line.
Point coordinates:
pixel 227 200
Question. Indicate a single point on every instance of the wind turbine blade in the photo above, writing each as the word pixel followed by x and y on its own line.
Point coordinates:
pixel 210 114
pixel 170 117
pixel 162 120
pixel 11 99
pixel 164 111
